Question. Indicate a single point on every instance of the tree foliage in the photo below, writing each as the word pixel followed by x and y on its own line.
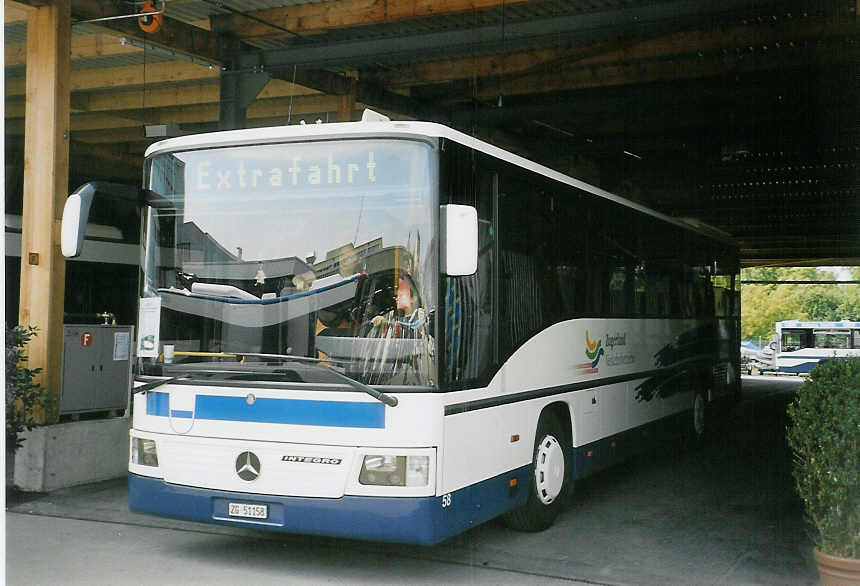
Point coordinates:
pixel 22 394
pixel 763 305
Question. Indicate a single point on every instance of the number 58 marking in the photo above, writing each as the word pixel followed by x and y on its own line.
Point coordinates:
pixel 446 500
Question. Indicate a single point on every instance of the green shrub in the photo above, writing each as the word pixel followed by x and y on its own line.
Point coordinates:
pixel 22 394
pixel 824 434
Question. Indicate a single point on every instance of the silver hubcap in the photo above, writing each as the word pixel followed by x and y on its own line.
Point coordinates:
pixel 699 415
pixel 549 469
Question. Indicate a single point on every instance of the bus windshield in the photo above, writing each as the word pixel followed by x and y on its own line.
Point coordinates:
pixel 323 250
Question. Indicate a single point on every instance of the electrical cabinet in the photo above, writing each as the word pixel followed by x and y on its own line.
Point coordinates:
pixel 96 368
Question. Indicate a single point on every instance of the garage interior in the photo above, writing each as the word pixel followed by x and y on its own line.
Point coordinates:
pixel 737 114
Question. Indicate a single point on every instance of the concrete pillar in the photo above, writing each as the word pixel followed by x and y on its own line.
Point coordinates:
pixel 46 178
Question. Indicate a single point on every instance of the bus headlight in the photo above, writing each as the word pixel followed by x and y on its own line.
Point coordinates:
pixel 144 452
pixel 387 470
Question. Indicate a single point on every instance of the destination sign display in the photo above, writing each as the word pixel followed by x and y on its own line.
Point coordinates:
pixel 300 171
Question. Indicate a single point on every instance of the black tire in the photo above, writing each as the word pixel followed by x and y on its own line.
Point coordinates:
pixel 546 498
pixel 699 421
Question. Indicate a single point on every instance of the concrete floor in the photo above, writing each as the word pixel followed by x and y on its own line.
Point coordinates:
pixel 726 514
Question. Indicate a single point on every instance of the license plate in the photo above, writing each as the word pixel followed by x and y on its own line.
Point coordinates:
pixel 248 511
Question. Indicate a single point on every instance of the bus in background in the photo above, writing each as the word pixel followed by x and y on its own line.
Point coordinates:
pixel 394 331
pixel 800 345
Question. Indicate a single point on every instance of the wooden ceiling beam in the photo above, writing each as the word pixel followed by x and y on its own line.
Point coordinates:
pixel 15 12
pixel 181 95
pixel 111 155
pixel 320 17
pixel 177 95
pixel 125 76
pixel 81 122
pixel 261 108
pixel 192 114
pixel 468 67
pixel 83 47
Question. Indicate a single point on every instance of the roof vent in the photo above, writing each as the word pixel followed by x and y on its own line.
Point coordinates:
pixel 371 116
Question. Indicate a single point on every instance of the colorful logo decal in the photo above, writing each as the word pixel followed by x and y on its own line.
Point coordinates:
pixel 593 351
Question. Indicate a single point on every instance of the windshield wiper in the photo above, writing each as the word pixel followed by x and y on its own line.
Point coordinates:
pixel 158 383
pixel 378 395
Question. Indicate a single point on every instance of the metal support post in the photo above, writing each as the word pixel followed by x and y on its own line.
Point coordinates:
pixel 238 90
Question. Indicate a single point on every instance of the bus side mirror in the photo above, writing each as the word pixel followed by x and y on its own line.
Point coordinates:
pixel 458 225
pixel 772 345
pixel 75 215
pixel 76 212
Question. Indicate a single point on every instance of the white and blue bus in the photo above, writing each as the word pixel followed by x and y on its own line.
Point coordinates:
pixel 800 345
pixel 394 331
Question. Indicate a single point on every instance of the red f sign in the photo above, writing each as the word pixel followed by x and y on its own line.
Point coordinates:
pixel 86 339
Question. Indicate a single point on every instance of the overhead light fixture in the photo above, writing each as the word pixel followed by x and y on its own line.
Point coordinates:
pixel 162 130
pixel 634 155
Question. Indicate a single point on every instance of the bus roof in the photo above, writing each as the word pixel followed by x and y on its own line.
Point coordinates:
pixel 824 325
pixel 382 128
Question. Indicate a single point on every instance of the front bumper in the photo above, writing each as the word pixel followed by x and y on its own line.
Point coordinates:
pixel 419 520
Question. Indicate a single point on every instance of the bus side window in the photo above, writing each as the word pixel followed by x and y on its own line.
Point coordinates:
pixel 571 255
pixel 524 249
pixel 832 339
pixel 617 288
pixel 469 351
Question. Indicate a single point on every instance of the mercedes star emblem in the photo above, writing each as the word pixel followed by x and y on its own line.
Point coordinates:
pixel 248 466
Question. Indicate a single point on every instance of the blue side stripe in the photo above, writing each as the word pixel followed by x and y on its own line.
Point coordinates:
pixel 799 368
pixel 284 411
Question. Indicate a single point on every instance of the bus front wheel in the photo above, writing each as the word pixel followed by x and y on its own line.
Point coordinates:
pixel 550 480
pixel 699 428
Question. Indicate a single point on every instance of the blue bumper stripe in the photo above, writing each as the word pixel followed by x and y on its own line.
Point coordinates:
pixel 157 404
pixel 295 411
pixel 285 411
pixel 420 520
